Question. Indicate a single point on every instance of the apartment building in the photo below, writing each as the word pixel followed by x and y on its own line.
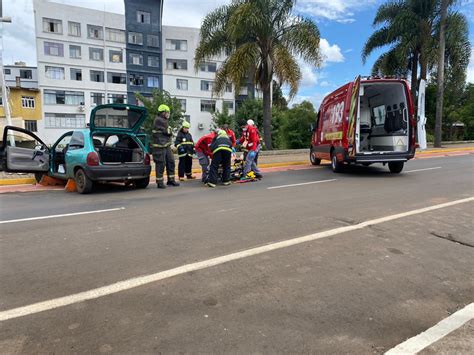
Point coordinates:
pixel 143 23
pixel 193 88
pixel 24 97
pixel 81 63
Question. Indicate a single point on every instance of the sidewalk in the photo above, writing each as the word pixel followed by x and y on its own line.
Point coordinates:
pixel 268 159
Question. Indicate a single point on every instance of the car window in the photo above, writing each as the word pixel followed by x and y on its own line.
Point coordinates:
pixel 22 140
pixel 379 115
pixel 77 140
pixel 63 143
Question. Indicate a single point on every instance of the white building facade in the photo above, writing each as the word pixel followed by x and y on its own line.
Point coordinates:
pixel 194 89
pixel 21 75
pixel 81 64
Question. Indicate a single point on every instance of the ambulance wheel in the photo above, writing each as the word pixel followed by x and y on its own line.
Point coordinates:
pixel 396 166
pixel 313 159
pixel 83 183
pixel 336 165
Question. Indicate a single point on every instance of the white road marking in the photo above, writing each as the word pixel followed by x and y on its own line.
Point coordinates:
pixel 61 215
pixel 301 184
pixel 435 333
pixel 147 279
pixel 414 171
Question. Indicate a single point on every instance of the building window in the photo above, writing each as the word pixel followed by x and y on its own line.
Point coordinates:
pixel 57 97
pixel 31 125
pixel 135 38
pixel 176 45
pixel 64 120
pixel 181 84
pixel 187 118
pixel 208 105
pixel 116 78
pixel 56 73
pixel 95 32
pixel 96 54
pixel 74 29
pixel 136 59
pixel 183 104
pixel 97 76
pixel 75 51
pixel 117 99
pixel 7 71
pixel 153 82
pixel 228 87
pixel 55 49
pixel 97 98
pixel 229 105
pixel 153 61
pixel 115 35
pixel 143 17
pixel 115 56
pixel 27 102
pixel 1 100
pixel 52 25
pixel 177 64
pixel 153 41
pixel 208 67
pixel 136 80
pixel 26 74
pixel 76 74
pixel 206 85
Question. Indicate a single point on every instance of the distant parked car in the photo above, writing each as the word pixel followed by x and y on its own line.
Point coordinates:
pixel 110 150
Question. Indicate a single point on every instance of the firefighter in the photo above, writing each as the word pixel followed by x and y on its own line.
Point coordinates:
pixel 185 146
pixel 251 141
pixel 161 148
pixel 221 148
pixel 204 154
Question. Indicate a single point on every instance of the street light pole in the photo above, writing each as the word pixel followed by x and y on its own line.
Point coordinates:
pixel 6 102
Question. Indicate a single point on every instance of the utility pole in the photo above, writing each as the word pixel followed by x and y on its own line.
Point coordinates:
pixel 6 102
pixel 440 89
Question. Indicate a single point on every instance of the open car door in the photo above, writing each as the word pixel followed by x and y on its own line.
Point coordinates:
pixel 421 118
pixel 353 114
pixel 32 156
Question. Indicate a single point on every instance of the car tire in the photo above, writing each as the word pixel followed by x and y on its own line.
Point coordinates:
pixel 83 183
pixel 336 165
pixel 396 167
pixel 142 183
pixel 366 164
pixel 39 177
pixel 313 159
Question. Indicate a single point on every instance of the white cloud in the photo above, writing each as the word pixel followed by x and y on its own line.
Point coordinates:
pixel 315 99
pixel 341 11
pixel 470 68
pixel 330 53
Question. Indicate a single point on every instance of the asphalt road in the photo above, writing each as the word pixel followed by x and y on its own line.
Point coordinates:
pixel 363 291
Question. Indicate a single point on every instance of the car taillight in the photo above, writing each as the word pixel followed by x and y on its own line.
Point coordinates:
pixel 93 159
pixel 147 159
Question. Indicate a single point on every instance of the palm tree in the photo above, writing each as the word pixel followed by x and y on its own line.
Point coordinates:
pixel 262 39
pixel 407 27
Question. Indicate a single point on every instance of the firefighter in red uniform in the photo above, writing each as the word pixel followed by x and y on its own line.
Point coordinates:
pixel 251 141
pixel 204 153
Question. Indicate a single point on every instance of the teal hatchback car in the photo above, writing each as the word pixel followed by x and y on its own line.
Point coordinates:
pixel 111 149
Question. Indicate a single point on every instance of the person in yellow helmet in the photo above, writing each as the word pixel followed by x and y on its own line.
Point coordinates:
pixel 161 148
pixel 185 146
pixel 221 148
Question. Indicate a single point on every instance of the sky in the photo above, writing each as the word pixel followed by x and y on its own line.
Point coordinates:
pixel 344 26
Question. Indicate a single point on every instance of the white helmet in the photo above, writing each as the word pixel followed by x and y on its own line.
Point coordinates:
pixel 251 123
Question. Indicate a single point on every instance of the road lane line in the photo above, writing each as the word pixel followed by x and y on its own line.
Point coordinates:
pixel 151 278
pixel 435 333
pixel 301 184
pixel 61 215
pixel 414 171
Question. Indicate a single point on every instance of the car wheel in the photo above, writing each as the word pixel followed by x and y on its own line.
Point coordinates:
pixel 336 165
pixel 366 164
pixel 313 159
pixel 83 183
pixel 396 166
pixel 142 183
pixel 39 177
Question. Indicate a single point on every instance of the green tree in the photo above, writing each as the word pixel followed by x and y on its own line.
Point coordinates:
pixel 263 39
pixel 296 131
pixel 220 119
pixel 249 109
pixel 152 103
pixel 278 99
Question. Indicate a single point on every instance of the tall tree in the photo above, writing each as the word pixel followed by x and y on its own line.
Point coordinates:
pixel 440 91
pixel 262 39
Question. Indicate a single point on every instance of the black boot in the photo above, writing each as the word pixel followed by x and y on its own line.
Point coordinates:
pixel 160 185
pixel 172 183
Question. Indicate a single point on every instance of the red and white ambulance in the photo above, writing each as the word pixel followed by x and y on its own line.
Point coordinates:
pixel 369 121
